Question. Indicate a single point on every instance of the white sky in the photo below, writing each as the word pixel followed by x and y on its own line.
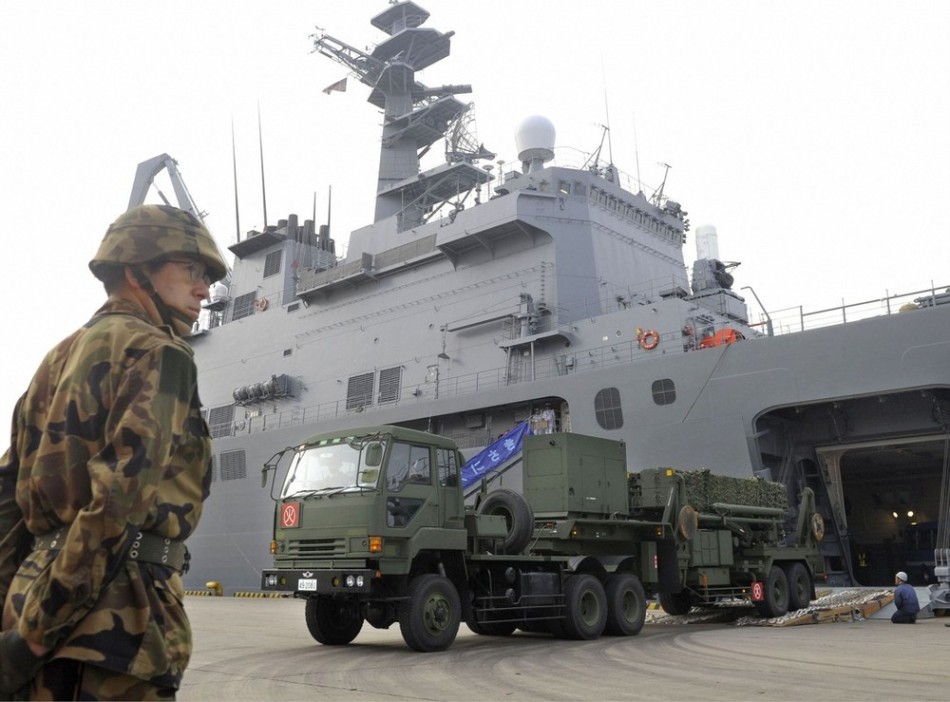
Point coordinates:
pixel 815 135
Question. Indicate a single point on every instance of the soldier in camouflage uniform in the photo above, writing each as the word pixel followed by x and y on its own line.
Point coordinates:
pixel 107 470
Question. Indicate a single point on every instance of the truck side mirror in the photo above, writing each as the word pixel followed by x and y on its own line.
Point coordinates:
pixel 373 455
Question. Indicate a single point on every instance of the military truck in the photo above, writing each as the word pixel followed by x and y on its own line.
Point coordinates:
pixel 371 526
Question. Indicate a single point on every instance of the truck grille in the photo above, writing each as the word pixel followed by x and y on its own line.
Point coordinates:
pixel 316 548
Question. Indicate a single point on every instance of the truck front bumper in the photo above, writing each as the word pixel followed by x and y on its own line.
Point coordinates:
pixel 356 581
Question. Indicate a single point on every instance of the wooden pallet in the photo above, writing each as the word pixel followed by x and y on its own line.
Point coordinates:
pixel 839 613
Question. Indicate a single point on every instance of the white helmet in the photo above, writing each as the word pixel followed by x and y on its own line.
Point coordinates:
pixel 902 576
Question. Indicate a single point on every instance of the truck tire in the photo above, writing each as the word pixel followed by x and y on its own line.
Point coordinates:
pixel 775 593
pixel 333 622
pixel 517 513
pixel 429 619
pixel 586 604
pixel 626 605
pixel 676 603
pixel 799 585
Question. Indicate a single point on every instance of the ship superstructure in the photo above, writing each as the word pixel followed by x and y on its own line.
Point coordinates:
pixel 475 300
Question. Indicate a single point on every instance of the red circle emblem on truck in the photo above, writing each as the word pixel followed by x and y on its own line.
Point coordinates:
pixel 758 592
pixel 290 515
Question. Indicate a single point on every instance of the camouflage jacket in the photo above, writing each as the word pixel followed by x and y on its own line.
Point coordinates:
pixel 107 441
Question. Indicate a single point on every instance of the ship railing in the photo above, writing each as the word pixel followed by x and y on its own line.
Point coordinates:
pixel 791 320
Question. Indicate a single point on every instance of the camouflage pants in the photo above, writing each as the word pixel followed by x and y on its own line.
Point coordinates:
pixel 64 679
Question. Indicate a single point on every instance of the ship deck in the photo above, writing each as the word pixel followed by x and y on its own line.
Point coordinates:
pixel 259 649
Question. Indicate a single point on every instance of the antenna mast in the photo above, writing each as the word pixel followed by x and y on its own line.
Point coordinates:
pixel 610 148
pixel 260 139
pixel 237 211
pixel 636 153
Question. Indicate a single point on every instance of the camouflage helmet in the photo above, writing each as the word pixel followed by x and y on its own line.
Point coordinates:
pixel 152 232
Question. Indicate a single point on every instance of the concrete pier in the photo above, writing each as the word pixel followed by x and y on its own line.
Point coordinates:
pixel 259 649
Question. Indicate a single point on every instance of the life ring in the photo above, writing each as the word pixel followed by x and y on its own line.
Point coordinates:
pixel 649 340
pixel 261 304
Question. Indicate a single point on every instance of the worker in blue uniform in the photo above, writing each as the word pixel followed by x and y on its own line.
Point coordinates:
pixel 905 599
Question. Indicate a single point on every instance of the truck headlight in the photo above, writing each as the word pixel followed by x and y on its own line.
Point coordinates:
pixel 350 580
pixel 270 580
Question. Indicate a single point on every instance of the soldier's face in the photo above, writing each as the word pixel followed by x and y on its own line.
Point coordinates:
pixel 182 284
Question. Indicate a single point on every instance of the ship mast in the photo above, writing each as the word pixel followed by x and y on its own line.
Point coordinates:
pixel 415 116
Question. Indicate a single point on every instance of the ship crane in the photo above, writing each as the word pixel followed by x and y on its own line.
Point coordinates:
pixel 145 178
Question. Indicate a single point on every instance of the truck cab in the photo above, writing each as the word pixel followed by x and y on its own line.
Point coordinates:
pixel 364 503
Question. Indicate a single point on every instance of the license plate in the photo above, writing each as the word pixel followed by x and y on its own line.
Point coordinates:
pixel 307 584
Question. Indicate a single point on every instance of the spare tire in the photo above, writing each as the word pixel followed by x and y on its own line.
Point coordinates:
pixel 518 515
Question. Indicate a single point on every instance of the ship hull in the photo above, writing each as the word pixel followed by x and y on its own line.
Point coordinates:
pixel 734 411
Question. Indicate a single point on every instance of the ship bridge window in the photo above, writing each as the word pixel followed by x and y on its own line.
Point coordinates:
pixel 664 391
pixel 563 187
pixel 607 408
pixel 359 390
pixel 272 263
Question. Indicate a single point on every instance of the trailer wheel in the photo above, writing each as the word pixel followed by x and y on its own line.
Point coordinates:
pixel 333 622
pixel 799 585
pixel 429 619
pixel 586 607
pixel 626 605
pixel 776 595
pixel 676 603
pixel 517 513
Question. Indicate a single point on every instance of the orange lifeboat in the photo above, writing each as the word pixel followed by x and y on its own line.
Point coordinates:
pixel 721 337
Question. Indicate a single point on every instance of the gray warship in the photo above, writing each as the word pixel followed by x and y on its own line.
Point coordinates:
pixel 483 295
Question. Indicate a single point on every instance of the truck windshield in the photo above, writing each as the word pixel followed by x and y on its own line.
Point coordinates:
pixel 328 467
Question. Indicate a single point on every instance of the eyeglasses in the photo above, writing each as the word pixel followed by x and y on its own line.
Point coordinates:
pixel 196 270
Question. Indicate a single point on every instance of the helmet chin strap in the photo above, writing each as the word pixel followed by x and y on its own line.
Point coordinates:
pixel 173 318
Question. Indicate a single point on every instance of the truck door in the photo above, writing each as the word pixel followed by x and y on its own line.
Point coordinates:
pixel 410 496
pixel 450 492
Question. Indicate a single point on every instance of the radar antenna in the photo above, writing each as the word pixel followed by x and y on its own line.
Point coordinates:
pixel 461 140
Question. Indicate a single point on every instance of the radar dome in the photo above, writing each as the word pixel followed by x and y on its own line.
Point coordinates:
pixel 535 140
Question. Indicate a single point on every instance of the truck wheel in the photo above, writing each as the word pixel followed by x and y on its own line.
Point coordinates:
pixel 586 604
pixel 799 585
pixel 626 605
pixel 775 603
pixel 517 513
pixel 333 622
pixel 429 619
pixel 676 603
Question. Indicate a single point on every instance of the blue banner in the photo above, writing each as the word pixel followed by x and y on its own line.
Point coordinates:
pixel 495 454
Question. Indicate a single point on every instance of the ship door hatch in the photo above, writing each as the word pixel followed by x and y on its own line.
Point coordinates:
pixel 885 498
